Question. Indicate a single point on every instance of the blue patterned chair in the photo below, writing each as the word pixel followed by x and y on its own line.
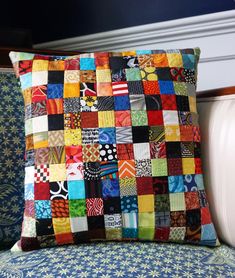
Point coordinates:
pixel 86 260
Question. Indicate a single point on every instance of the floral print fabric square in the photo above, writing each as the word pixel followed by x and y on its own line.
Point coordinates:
pixel 113 148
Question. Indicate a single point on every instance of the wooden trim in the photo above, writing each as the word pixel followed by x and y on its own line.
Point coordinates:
pixel 5 61
pixel 216 92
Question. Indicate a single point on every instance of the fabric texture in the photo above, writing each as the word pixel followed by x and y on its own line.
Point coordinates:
pixel 11 159
pixel 112 141
pixel 113 260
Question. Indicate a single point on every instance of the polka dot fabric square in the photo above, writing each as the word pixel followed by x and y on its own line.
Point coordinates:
pixel 115 147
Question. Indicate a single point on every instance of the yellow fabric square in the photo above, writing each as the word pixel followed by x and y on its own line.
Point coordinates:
pixel 103 75
pixel 146 219
pixel 129 53
pixel 27 95
pixel 104 89
pixel 57 172
pixel 192 104
pixel 177 201
pixel 61 225
pixel 73 137
pixel 146 203
pixel 175 60
pixel 40 65
pixel 71 90
pixel 40 140
pixel 56 65
pixel 188 166
pixel 172 133
pixel 106 118
pixel 72 76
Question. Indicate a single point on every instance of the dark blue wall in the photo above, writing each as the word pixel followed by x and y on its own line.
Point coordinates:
pixel 53 20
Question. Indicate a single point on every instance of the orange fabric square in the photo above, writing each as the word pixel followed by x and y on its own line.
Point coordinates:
pixel 56 65
pixel 104 89
pixel 151 87
pixel 64 238
pixel 126 168
pixel 160 60
pixel 89 119
pixel 192 200
pixel 71 90
pixel 102 60
pixel 123 118
pixel 186 133
pixel 55 106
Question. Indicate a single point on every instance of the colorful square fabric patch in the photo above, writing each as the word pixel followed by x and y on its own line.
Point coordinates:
pixel 113 148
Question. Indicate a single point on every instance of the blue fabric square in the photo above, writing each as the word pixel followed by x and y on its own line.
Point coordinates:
pixel 87 64
pixel 76 190
pixel 176 184
pixel 142 52
pixel 166 87
pixel 107 135
pixel 122 103
pixel 188 61
pixel 43 209
pixel 208 234
pixel 29 191
pixel 26 80
pixel 129 204
pixel 129 233
pixel 110 188
pixel 55 91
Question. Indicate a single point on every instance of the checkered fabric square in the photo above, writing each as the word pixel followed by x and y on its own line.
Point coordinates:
pixel 116 148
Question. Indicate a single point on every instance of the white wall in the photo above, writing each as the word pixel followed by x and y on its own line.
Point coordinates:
pixel 213 33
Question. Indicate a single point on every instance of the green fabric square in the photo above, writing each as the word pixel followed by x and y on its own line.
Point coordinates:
pixel 133 74
pixel 139 118
pixel 146 233
pixel 156 133
pixel 162 202
pixel 180 88
pixel 77 208
pixel 159 167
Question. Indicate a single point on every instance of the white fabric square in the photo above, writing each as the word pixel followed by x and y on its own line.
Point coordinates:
pixel 28 126
pixel 40 124
pixel 141 151
pixel 71 76
pixel 78 224
pixel 75 171
pixel 113 221
pixel 29 175
pixel 29 227
pixel 170 117
pixel 39 78
pixel 129 220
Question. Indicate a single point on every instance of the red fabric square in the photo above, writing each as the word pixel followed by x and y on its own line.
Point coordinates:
pixel 162 234
pixel 64 238
pixel 174 166
pixel 25 66
pixel 169 102
pixel 42 191
pixel 144 185
pixel 205 216
pixel 151 88
pixel 72 64
pixel 198 165
pixel 89 119
pixel 125 151
pixel 102 60
pixel 73 154
pixel 39 93
pixel 192 200
pixel 155 118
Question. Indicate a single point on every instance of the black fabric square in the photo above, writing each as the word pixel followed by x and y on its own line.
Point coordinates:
pixel 163 74
pixel 153 102
pixel 182 103
pixel 135 87
pixel 118 75
pixel 105 103
pixel 108 152
pixel 92 171
pixel 44 227
pixel 140 134
pixel 160 185
pixel 55 77
pixel 173 149
pixel 56 122
pixel 59 190
pixel 95 222
pixel 193 217
pixel 81 237
pixel 112 205
pixel 197 149
pixel 187 51
pixel 117 62
pixel 93 188
pixel 97 234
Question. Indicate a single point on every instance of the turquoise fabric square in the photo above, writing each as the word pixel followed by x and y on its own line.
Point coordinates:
pixel 133 74
pixel 129 233
pixel 188 61
pixel 26 80
pixel 142 52
pixel 29 191
pixel 176 184
pixel 76 190
pixel 43 209
pixel 87 64
pixel 208 234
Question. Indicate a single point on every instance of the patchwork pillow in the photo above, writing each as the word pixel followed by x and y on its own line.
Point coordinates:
pixel 112 148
